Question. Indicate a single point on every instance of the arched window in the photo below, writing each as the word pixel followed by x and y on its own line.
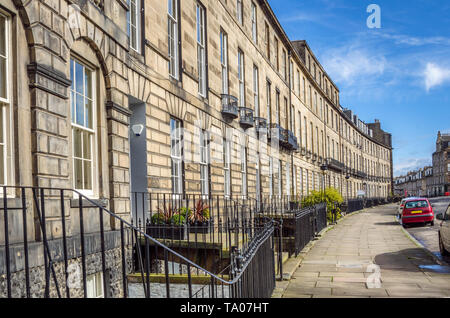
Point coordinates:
pixel 83 119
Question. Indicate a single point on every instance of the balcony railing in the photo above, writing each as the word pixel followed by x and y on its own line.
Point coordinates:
pixel 284 139
pixel 246 117
pixel 292 140
pixel 99 3
pixel 230 107
pixel 261 125
pixel 334 164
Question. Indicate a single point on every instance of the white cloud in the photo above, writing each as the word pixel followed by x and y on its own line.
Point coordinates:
pixel 415 41
pixel 410 164
pixel 350 65
pixel 435 75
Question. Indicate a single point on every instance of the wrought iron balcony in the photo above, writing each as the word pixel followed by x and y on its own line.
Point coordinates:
pixel 314 157
pixel 292 140
pixel 335 165
pixel 246 117
pixel 99 3
pixel 308 154
pixel 261 125
pixel 230 107
pixel 284 138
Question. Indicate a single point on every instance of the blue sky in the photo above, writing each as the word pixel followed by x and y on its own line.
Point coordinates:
pixel 399 74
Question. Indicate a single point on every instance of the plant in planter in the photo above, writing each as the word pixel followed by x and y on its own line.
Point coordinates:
pixel 168 222
pixel 200 218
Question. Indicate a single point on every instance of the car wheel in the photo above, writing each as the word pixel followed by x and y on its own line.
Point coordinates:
pixel 432 223
pixel 444 252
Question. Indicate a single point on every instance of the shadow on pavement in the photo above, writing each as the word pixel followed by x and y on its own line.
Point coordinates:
pixel 387 223
pixel 410 260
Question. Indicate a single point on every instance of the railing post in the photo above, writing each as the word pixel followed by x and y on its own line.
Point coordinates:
pixel 7 252
pixel 280 248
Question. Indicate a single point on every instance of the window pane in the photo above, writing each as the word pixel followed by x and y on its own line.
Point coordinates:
pixel 170 7
pixel 87 175
pixel 88 83
pixel 3 75
pixel 80 110
pixel 2 36
pixel 72 106
pixel 89 119
pixel 90 287
pixel 79 78
pixel 78 173
pixel 87 138
pixel 99 284
pixel 77 143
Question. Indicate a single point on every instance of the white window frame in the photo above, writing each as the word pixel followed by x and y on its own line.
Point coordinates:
pixel 254 23
pixel 201 49
pixel 5 104
pixel 224 61
pixel 269 102
pixel 136 25
pixel 227 167
pixel 277 107
pixel 239 11
pixel 204 163
pixel 91 131
pixel 288 179
pixel 256 89
pixel 301 181
pixel 241 78
pixel 172 21
pixel 280 179
pixel 244 185
pixel 93 282
pixel 284 64
pixel 176 156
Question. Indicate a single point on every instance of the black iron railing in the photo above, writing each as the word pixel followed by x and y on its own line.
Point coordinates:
pixel 246 119
pixel 56 241
pixel 230 107
pixel 60 243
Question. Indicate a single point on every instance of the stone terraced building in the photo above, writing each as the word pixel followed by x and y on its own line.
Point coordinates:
pixel 180 96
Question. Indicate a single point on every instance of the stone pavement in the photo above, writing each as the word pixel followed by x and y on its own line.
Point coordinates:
pixel 341 263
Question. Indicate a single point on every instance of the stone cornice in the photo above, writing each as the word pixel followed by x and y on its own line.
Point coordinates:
pixel 43 77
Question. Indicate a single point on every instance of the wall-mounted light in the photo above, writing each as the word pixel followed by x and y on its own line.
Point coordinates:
pixel 137 130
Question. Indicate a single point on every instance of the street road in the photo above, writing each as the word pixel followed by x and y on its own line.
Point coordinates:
pixel 428 235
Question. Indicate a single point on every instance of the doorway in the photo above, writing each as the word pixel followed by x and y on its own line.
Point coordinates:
pixel 138 162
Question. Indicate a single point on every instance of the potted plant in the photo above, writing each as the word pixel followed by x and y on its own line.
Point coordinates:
pixel 294 204
pixel 167 223
pixel 200 219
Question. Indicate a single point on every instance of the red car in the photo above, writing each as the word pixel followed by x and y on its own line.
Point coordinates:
pixel 418 210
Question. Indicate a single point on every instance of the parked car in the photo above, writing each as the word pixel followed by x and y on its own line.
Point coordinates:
pixel 417 210
pixel 402 205
pixel 444 232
